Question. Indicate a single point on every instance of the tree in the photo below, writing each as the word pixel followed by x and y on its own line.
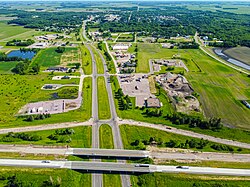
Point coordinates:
pixel 36 68
pixel 20 68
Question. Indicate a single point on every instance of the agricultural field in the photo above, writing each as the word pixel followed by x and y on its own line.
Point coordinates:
pixel 207 77
pixel 240 53
pixel 18 90
pixel 103 102
pixel 41 177
pixel 81 138
pixel 131 134
pixel 179 180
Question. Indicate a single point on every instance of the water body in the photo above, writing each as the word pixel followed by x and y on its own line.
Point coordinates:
pixel 22 54
pixel 220 53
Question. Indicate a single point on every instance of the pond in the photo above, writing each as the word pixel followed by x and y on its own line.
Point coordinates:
pixel 220 53
pixel 22 54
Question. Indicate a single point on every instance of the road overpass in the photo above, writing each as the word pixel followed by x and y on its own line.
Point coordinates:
pixel 116 167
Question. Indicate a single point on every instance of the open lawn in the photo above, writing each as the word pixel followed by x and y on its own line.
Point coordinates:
pixel 125 38
pixel 180 180
pixel 106 137
pixel 44 177
pixel 86 60
pixel 80 139
pixel 239 53
pixel 6 67
pixel 103 102
pixel 16 91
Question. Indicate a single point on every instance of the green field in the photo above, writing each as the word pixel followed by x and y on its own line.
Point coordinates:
pixel 81 138
pixel 106 137
pixel 6 67
pixel 18 90
pixel 180 180
pixel 49 57
pixel 125 38
pixel 103 102
pixel 208 77
pixel 112 180
pixel 86 60
pixel 239 53
pixel 44 177
pixel 132 133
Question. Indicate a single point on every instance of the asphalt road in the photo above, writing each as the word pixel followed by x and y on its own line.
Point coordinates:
pixel 96 167
pixel 97 180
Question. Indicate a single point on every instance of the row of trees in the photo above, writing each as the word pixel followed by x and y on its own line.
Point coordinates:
pixel 13 137
pixel 194 121
pixel 124 101
pixel 31 118
pixel 62 135
pixel 16 42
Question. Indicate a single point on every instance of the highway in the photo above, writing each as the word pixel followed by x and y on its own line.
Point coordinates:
pixel 109 167
pixel 97 179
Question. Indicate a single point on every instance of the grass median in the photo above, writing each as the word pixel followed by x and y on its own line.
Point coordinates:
pixel 103 102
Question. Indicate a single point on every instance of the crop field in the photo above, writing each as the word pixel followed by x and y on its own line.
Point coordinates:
pixel 86 60
pixel 39 177
pixel 16 91
pixel 80 139
pixel 106 137
pixel 220 87
pixel 103 102
pixel 239 53
pixel 187 180
pixel 132 133
pixel 6 67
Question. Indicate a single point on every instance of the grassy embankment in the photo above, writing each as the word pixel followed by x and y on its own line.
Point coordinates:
pixel 132 133
pixel 239 53
pixel 44 177
pixel 81 138
pixel 107 142
pixel 179 180
pixel 103 102
pixel 19 90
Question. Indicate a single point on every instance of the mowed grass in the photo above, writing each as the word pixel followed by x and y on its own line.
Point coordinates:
pixel 239 53
pixel 220 87
pixel 81 138
pixel 112 180
pixel 86 60
pixel 38 177
pixel 106 137
pixel 16 91
pixel 187 180
pixel 6 67
pixel 103 102
pixel 99 64
pixel 132 133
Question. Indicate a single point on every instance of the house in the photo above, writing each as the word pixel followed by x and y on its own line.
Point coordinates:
pixel 152 103
pixel 57 69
